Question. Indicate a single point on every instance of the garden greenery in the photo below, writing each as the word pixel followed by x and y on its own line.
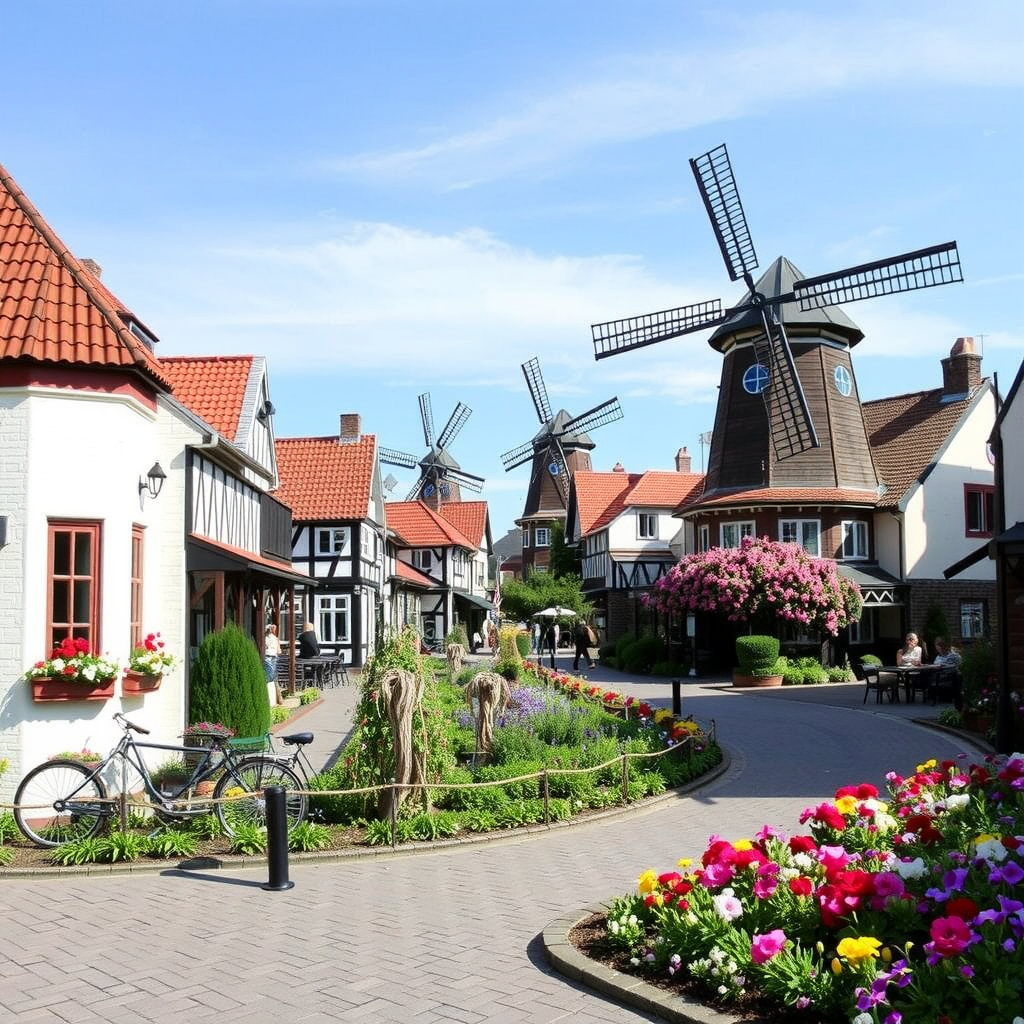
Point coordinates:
pixel 228 683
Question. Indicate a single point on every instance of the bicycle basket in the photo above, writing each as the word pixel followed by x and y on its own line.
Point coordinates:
pixel 250 744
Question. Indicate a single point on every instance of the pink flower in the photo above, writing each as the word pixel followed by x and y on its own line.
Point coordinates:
pixel 950 935
pixel 764 947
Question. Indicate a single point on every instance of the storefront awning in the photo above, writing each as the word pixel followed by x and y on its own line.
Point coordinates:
pixel 478 602
pixel 212 556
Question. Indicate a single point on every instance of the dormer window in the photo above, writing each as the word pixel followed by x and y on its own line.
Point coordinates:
pixel 141 333
pixel 647 525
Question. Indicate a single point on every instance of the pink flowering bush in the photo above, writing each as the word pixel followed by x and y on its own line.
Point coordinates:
pixel 761 580
pixel 901 911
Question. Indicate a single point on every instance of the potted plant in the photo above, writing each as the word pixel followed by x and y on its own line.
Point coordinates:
pixel 203 734
pixel 73 672
pixel 758 658
pixel 84 756
pixel 146 665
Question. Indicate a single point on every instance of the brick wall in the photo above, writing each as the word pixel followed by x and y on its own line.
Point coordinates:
pixel 949 593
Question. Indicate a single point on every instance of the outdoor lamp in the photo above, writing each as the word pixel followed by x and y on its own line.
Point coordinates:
pixel 153 481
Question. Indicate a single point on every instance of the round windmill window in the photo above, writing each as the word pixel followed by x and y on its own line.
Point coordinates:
pixel 756 379
pixel 843 381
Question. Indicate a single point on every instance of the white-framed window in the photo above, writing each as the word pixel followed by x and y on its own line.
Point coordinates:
pixel 972 619
pixel 332 540
pixel 526 537
pixel 364 542
pixel 421 558
pixel 843 381
pixel 805 532
pixel 755 379
pixel 863 630
pixel 647 525
pixel 332 612
pixel 478 575
pixel 855 538
pixel 730 534
pixel 703 537
pixel 541 537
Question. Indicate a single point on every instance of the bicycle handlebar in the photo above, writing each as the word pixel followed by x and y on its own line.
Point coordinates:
pixel 130 725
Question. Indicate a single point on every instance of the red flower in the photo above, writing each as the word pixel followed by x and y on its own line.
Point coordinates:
pixel 950 935
pixel 962 907
pixel 802 844
pixel 865 791
pixel 800 886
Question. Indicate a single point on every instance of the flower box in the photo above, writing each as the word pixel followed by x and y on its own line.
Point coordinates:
pixel 69 688
pixel 140 682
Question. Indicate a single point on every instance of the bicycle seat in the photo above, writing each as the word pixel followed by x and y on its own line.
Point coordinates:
pixel 300 738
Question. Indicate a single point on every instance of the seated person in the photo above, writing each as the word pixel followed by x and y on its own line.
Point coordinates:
pixel 949 659
pixel 309 646
pixel 945 655
pixel 909 655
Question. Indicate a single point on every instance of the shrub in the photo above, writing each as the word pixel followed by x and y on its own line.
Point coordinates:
pixel 641 655
pixel 670 668
pixel 523 644
pixel 509 662
pixel 279 715
pixel 228 683
pixel 870 659
pixel 457 635
pixel 815 674
pixel 840 674
pixel 309 696
pixel 792 676
pixel 756 652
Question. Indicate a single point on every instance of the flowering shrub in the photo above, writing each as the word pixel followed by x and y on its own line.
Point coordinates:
pixel 150 658
pixel 84 755
pixel 73 660
pixel 762 580
pixel 907 911
pixel 207 729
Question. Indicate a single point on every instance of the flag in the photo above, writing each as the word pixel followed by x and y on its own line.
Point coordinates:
pixel 496 599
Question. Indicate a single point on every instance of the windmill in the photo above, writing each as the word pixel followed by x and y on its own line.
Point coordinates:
pixel 559 448
pixel 440 477
pixel 799 401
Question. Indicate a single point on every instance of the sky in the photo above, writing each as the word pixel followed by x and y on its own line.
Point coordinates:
pixel 391 197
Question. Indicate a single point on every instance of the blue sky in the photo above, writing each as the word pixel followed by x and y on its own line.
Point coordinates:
pixel 390 197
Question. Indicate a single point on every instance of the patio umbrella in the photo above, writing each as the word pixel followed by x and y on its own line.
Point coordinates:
pixel 555 613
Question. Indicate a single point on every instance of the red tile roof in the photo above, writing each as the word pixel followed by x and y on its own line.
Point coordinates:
pixel 53 310
pixel 211 386
pixel 468 517
pixel 784 496
pixel 905 433
pixel 421 527
pixel 323 479
pixel 600 497
pixel 411 574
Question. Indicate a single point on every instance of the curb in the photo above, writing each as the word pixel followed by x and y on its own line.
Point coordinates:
pixel 567 960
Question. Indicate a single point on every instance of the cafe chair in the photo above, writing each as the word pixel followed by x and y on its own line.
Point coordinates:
pixel 881 682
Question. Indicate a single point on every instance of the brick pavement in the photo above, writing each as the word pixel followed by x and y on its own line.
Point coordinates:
pixel 450 935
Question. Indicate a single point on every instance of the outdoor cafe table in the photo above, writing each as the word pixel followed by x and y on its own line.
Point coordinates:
pixel 907 674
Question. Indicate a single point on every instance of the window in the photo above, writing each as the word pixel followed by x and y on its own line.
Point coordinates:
pixel 136 601
pixel 755 379
pixel 703 537
pixel 863 631
pixel 73 587
pixel 540 537
pixel 479 575
pixel 333 615
pixel 855 539
pixel 647 525
pixel 733 533
pixel 421 558
pixel 979 509
pixel 972 619
pixel 332 541
pixel 364 542
pixel 843 381
pixel 805 532
pixel 526 538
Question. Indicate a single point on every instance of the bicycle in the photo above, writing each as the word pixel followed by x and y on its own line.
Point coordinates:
pixel 296 760
pixel 63 800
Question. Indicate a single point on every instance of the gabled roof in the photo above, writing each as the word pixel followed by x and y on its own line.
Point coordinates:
pixel 468 517
pixel 906 432
pixel 214 387
pixel 52 309
pixel 601 497
pixel 782 496
pixel 323 478
pixel 421 527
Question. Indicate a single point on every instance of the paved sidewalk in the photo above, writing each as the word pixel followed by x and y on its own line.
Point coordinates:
pixel 451 935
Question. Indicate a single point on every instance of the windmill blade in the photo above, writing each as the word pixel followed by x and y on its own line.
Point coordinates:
pixel 924 268
pixel 419 485
pixel 789 420
pixel 517 456
pixel 606 412
pixel 427 416
pixel 470 481
pixel 554 464
pixel 538 392
pixel 455 423
pixel 722 201
pixel 393 457
pixel 617 336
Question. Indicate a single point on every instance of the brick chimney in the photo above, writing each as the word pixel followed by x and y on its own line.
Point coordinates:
pixel 682 460
pixel 618 468
pixel 961 371
pixel 93 267
pixel 351 426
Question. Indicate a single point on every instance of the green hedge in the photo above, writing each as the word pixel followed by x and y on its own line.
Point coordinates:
pixel 756 653
pixel 228 683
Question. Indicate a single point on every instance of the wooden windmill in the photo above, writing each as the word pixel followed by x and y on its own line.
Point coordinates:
pixel 788 411
pixel 440 478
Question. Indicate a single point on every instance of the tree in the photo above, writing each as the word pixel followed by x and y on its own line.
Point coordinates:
pixel 564 560
pixel 761 582
pixel 228 683
pixel 521 600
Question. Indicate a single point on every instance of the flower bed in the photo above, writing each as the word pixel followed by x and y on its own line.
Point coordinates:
pixel 903 912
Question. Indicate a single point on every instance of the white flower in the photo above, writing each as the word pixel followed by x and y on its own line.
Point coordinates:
pixel 613 927
pixel 910 869
pixel 863 1018
pixel 727 906
pixel 89 672
pixel 805 862
pixel 991 850
pixel 885 822
pixel 957 801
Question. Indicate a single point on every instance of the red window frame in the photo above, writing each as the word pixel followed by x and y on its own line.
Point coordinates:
pixel 61 621
pixel 138 535
pixel 986 494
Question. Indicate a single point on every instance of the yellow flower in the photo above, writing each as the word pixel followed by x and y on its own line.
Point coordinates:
pixel 743 844
pixel 847 804
pixel 661 714
pixel 647 882
pixel 684 862
pixel 887 955
pixel 856 951
pixel 837 965
pixel 929 764
pixel 983 838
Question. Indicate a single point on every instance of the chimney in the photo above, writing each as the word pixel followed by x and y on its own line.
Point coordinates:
pixel 618 468
pixel 961 371
pixel 682 460
pixel 93 267
pixel 350 428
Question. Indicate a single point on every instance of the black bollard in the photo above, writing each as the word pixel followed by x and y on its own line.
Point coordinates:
pixel 677 699
pixel 277 839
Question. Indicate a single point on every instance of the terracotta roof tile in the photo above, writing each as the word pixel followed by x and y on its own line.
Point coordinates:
pixel 905 433
pixel 468 517
pixel 53 310
pixel 421 527
pixel 600 497
pixel 323 479
pixel 664 488
pixel 411 574
pixel 213 387
pixel 783 496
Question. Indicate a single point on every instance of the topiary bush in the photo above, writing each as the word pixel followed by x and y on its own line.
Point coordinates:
pixel 228 683
pixel 523 644
pixel 756 653
pixel 641 655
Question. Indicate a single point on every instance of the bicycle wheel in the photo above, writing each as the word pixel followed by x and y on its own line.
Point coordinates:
pixel 251 777
pixel 57 803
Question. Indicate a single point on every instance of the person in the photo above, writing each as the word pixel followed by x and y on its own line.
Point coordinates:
pixel 309 646
pixel 536 638
pixel 477 642
pixel 271 652
pixel 909 655
pixel 582 637
pixel 551 640
pixel 949 658
pixel 557 631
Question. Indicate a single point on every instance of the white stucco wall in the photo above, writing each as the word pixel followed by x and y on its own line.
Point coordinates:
pixel 1012 429
pixel 623 531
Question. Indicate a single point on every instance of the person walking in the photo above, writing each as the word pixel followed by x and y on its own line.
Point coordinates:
pixel 551 639
pixel 536 638
pixel 581 635
pixel 271 652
